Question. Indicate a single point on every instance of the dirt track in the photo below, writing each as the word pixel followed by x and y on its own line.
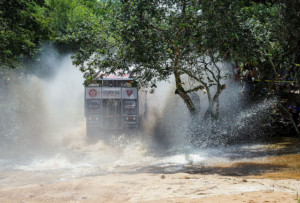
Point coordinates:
pixel 179 187
pixel 261 180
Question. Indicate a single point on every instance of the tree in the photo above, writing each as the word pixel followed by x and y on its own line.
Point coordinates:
pixel 65 15
pixel 23 27
pixel 156 39
pixel 288 36
pixel 186 40
pixel 245 32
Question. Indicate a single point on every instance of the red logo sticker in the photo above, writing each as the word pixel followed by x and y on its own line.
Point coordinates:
pixel 93 93
pixel 129 92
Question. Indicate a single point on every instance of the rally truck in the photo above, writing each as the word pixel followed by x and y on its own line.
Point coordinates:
pixel 114 103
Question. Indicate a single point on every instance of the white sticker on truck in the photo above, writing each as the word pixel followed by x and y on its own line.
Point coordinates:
pixel 93 92
pixel 111 93
pixel 129 93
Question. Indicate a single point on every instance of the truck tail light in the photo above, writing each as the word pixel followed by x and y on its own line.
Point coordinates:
pixel 130 118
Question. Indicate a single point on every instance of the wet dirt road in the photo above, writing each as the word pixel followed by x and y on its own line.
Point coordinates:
pixel 97 172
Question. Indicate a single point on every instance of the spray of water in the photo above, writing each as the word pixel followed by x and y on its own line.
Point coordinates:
pixel 42 113
pixel 43 127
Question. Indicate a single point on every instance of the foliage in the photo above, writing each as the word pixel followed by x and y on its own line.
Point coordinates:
pixel 184 39
pixel 23 27
pixel 152 39
pixel 94 38
pixel 65 15
pixel 289 27
pixel 157 40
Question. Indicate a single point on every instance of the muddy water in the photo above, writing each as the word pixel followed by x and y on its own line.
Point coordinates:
pixel 279 160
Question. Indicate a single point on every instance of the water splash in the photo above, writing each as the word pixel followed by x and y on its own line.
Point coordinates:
pixel 43 128
pixel 41 113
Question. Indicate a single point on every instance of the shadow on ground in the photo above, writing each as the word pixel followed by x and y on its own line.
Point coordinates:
pixel 237 169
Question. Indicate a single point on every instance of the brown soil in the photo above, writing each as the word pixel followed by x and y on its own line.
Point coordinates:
pixel 272 179
pixel 179 187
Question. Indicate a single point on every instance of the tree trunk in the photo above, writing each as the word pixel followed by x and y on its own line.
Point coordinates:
pixel 209 111
pixel 179 88
pixel 297 61
pixel 181 92
pixel 285 111
pixel 215 100
pixel 217 108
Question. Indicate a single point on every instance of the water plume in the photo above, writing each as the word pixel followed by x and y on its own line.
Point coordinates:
pixel 43 126
pixel 39 109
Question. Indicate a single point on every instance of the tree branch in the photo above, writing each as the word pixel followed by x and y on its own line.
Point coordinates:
pixel 195 89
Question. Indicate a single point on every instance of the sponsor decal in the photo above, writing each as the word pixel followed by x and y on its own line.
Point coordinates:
pixel 111 93
pixel 92 93
pixel 129 92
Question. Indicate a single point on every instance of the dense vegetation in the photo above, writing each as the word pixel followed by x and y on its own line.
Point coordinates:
pixel 157 39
